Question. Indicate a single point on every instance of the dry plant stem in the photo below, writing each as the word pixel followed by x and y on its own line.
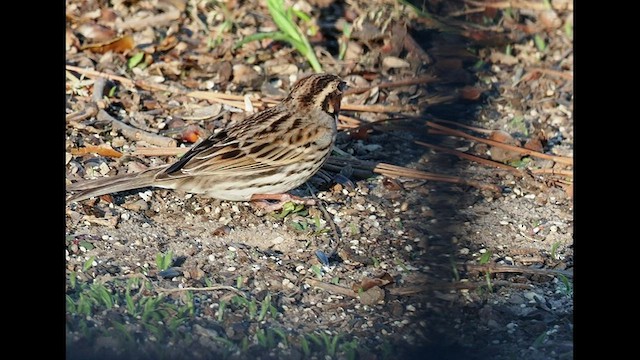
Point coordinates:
pixel 515 269
pixel 347 122
pixel 208 288
pixel 561 74
pixel 414 290
pixel 238 100
pixel 167 17
pixel 89 110
pixel 511 4
pixel 98 89
pixel 558 159
pixel 473 158
pixel 328 218
pixel 397 171
pixel 159 151
pixel 473 128
pixel 376 108
pixel 332 288
pixel 132 133
pixel 568 173
pixel 406 82
pixel 393 170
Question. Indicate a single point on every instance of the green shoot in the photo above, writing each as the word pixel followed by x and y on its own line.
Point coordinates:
pixel 163 261
pixel 135 60
pixel 288 32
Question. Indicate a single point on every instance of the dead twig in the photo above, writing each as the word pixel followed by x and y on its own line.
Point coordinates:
pixel 561 74
pixel 132 133
pixel 472 128
pixel 89 110
pixel 510 4
pixel 472 158
pixel 208 288
pixel 405 82
pixel 449 131
pixel 160 151
pixel 395 171
pixel 167 17
pixel 332 288
pixel 515 269
pixel 462 285
pixel 568 173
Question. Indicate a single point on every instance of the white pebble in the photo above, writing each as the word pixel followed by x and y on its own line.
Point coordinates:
pixel 231 268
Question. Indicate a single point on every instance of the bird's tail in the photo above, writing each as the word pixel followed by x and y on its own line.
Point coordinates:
pixel 91 188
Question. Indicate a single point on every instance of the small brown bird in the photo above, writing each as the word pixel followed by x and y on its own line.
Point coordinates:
pixel 262 157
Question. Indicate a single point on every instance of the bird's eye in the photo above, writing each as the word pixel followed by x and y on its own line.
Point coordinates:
pixel 342 86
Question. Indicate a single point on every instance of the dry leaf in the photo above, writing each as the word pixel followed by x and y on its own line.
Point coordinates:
pixel 118 45
pixel 372 296
pixel 392 62
pixel 96 33
pixel 500 154
pixel 470 93
pixel 534 144
pixel 102 150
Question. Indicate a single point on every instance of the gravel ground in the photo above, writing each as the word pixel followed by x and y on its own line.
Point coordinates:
pixel 384 266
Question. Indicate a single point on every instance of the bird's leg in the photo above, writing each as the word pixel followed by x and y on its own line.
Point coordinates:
pixel 261 201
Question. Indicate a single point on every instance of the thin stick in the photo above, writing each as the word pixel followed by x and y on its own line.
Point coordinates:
pixel 473 128
pixel 226 99
pixel 562 74
pixel 405 82
pixel 510 4
pixel 160 151
pixel 515 269
pixel 151 21
pixel 376 108
pixel 132 133
pixel 553 172
pixel 558 159
pixel 208 288
pixel 471 157
pixel 394 171
pixel 332 288
pixel 414 290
